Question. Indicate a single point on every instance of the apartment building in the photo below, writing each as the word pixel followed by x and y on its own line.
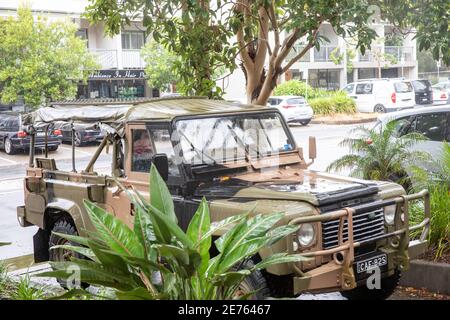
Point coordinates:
pixel 121 72
pixel 392 54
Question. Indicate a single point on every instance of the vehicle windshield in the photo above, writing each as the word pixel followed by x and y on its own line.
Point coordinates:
pixel 421 85
pixel 402 87
pixel 225 139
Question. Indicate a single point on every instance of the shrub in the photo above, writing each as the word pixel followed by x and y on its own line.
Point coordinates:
pixel 157 260
pixel 337 103
pixel 322 101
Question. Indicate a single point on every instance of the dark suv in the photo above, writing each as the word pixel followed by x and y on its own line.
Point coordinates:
pixel 82 136
pixel 14 139
pixel 423 91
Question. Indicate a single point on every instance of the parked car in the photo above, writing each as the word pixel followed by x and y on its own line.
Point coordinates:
pixel 82 137
pixel 432 122
pixel 444 86
pixel 423 92
pixel 14 139
pixel 440 95
pixel 381 95
pixel 293 108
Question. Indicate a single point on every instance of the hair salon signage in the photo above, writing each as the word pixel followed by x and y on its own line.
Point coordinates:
pixel 117 74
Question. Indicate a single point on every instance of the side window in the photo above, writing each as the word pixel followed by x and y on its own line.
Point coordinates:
pixel 163 144
pixel 432 126
pixel 349 88
pixel 142 151
pixel 364 88
pixel 403 126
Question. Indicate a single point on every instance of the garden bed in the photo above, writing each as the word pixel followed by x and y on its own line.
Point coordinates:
pixel 345 118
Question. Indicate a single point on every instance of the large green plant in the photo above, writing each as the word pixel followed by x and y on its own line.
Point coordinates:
pixel 157 260
pixel 437 181
pixel 41 60
pixel 379 154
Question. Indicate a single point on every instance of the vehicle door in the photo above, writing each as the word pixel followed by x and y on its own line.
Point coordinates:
pixel 433 126
pixel 364 97
pixel 404 94
pixel 3 120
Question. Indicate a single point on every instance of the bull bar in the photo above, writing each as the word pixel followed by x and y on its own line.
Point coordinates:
pixel 346 248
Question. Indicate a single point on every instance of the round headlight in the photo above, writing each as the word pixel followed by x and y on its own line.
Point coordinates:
pixel 389 213
pixel 305 234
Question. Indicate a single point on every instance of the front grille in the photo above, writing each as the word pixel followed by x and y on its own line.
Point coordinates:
pixel 366 226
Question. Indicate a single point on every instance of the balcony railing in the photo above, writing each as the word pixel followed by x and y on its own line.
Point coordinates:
pixel 324 53
pixel 112 59
pixel 397 52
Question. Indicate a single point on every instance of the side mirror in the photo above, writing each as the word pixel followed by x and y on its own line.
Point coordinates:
pixel 312 148
pixel 161 163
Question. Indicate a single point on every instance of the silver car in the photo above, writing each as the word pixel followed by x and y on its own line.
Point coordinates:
pixel 295 109
pixel 432 122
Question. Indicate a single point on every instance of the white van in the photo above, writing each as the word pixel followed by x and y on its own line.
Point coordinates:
pixel 381 95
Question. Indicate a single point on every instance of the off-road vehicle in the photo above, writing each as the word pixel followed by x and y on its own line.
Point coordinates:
pixel 241 158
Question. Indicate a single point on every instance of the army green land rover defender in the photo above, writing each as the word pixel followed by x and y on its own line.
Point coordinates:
pixel 240 157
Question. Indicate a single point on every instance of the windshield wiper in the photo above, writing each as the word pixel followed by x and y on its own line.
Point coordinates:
pixel 242 143
pixel 201 153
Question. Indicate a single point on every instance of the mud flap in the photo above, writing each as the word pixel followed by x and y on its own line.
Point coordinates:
pixel 40 246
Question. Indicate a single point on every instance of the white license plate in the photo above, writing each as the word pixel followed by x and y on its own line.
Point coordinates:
pixel 40 134
pixel 371 263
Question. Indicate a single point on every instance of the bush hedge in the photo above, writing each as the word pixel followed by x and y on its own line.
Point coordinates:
pixel 323 102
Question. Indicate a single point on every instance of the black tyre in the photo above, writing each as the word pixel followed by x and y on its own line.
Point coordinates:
pixel 9 147
pixel 379 108
pixel 53 148
pixel 305 122
pixel 255 282
pixel 62 255
pixel 387 285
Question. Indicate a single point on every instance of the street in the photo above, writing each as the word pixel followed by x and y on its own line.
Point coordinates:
pixel 12 171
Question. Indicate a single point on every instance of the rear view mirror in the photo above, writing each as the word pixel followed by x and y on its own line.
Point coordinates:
pixel 161 163
pixel 312 148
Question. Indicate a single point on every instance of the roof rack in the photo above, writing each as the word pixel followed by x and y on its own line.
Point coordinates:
pixel 111 101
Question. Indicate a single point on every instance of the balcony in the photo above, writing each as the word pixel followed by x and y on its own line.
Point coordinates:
pixel 397 52
pixel 324 53
pixel 116 59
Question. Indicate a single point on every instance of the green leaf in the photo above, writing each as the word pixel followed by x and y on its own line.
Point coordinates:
pixel 143 229
pixel 170 251
pixel 279 258
pixel 72 238
pixel 197 228
pixel 160 197
pixel 135 294
pixel 114 232
pixel 87 252
pixel 231 278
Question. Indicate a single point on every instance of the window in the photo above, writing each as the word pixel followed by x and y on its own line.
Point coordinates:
pixel 421 85
pixel 432 126
pixel 142 151
pixel 163 144
pixel 82 34
pixel 274 102
pixel 403 126
pixel 364 88
pixel 349 88
pixel 132 40
pixel 296 101
pixel 402 87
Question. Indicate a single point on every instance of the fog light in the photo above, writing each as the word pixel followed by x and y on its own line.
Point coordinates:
pixel 306 234
pixel 389 213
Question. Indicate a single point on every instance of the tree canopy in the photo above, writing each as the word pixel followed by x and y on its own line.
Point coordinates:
pixel 40 61
pixel 160 65
pixel 261 33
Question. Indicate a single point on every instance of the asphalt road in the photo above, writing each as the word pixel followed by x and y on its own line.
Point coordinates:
pixel 12 171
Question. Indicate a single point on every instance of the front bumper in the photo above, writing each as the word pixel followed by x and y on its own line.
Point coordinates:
pixel 338 274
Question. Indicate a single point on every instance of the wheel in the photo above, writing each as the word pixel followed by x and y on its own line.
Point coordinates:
pixel 305 122
pixel 62 255
pixel 53 148
pixel 379 108
pixel 387 285
pixel 78 140
pixel 255 282
pixel 9 148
